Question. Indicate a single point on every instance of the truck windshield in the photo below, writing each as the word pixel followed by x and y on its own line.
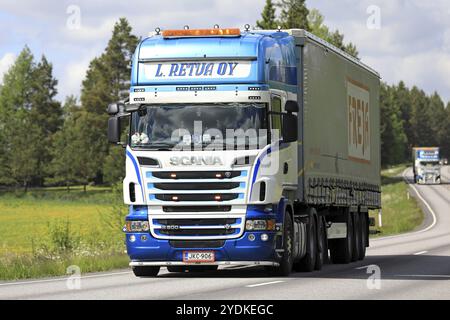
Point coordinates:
pixel 212 126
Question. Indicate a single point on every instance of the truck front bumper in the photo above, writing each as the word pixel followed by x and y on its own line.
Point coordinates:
pixel 148 251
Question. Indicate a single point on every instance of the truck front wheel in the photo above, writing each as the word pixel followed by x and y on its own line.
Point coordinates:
pixel 286 260
pixel 146 271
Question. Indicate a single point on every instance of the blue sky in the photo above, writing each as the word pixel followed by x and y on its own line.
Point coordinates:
pixel 412 42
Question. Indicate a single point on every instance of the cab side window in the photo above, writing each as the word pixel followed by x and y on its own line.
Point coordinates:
pixel 276 115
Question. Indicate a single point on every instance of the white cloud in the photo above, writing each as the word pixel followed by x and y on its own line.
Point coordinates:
pixel 413 43
pixel 5 63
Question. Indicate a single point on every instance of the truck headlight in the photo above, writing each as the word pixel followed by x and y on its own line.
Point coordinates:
pixel 137 226
pixel 260 224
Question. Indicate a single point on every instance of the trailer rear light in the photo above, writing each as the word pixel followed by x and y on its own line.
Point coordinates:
pixel 229 32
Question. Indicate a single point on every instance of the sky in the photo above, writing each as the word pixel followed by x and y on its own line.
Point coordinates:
pixel 405 40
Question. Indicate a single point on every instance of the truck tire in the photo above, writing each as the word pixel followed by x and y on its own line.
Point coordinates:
pixel 287 260
pixel 341 249
pixel 146 271
pixel 320 252
pixel 363 244
pixel 357 240
pixel 308 262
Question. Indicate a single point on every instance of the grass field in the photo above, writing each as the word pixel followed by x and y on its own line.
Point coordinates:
pixel 47 230
pixel 399 213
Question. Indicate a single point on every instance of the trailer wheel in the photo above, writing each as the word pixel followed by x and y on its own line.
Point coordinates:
pixel 341 249
pixel 308 262
pixel 356 237
pixel 320 252
pixel 363 243
pixel 146 271
pixel 286 261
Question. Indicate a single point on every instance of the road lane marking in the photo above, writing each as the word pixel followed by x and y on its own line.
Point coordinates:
pixel 433 214
pixel 61 279
pixel 263 284
pixel 363 267
pixel 424 275
pixel 420 252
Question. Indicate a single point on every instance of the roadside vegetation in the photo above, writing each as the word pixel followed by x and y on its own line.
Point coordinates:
pixel 400 213
pixel 45 231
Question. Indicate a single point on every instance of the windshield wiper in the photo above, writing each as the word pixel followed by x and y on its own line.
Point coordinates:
pixel 160 146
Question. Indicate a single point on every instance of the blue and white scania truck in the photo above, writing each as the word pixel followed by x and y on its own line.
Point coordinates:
pixel 247 147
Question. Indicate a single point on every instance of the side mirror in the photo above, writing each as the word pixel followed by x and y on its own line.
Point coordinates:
pixel 291 106
pixel 114 130
pixel 290 127
pixel 115 108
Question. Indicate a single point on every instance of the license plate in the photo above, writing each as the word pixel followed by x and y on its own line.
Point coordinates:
pixel 198 256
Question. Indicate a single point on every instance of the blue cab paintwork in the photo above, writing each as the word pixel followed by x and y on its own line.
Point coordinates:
pixel 241 249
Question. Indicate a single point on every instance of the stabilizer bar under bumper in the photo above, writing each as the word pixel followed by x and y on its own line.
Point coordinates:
pixel 217 263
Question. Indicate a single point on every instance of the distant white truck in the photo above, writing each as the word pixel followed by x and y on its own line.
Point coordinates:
pixel 426 165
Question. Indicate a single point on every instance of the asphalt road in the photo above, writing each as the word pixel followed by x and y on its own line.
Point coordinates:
pixel 411 266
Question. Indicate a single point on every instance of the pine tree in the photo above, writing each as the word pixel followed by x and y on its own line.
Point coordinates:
pixel 294 14
pixel 46 114
pixel 19 145
pixel 268 21
pixel 61 169
pixel 444 133
pixel 402 99
pixel 421 119
pixel 393 139
pixel 107 81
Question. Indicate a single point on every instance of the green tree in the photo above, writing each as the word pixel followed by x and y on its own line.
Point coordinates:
pixel 61 169
pixel 421 119
pixel 268 17
pixel 393 138
pixel 18 146
pixel 401 97
pixel 294 14
pixel 107 81
pixel 46 114
pixel 318 28
pixel 444 133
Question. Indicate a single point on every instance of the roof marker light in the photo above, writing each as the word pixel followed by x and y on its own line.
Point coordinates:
pixel 216 32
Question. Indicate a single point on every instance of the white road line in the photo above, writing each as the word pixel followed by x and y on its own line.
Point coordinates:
pixel 424 202
pixel 62 279
pixel 419 253
pixel 363 267
pixel 424 275
pixel 262 284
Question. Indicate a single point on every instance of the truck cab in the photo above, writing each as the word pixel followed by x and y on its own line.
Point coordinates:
pixel 427 165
